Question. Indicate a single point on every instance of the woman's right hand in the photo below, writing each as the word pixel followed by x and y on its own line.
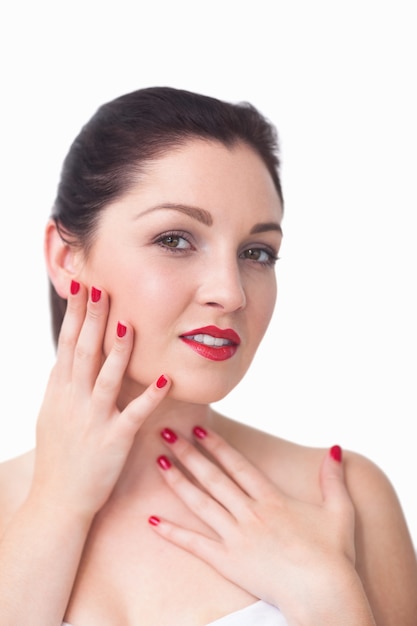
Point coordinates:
pixel 83 439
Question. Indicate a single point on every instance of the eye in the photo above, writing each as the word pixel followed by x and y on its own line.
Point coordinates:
pixel 260 255
pixel 174 241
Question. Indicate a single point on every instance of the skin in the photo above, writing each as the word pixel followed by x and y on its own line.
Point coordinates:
pixel 221 288
pixel 242 515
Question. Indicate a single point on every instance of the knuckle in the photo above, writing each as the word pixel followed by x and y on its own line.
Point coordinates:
pixel 82 353
pixel 120 347
pixel 150 397
pixel 216 446
pixel 66 340
pixel 105 384
pixel 200 503
pixel 239 465
pixel 190 543
pixel 185 452
pixel 74 306
pixel 175 478
pixel 214 476
pixel 94 314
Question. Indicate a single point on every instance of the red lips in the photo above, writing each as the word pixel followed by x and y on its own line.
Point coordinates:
pixel 218 351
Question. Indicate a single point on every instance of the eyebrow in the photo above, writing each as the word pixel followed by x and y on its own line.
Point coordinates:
pixel 265 226
pixel 203 216
pixel 198 214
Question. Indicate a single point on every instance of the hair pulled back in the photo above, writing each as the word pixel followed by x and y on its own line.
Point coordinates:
pixel 113 148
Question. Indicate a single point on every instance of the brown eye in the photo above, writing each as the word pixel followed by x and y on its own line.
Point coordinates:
pixel 254 254
pixel 259 255
pixel 172 241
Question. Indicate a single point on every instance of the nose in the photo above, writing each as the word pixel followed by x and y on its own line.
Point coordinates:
pixel 222 286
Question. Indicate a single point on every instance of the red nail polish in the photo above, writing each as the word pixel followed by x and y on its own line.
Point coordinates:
pixel 121 329
pixel 161 382
pixel 336 453
pixel 154 521
pixel 95 294
pixel 75 287
pixel 163 462
pixel 199 432
pixel 169 435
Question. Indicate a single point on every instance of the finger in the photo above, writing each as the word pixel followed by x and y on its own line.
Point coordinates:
pixel 70 329
pixel 88 355
pixel 207 549
pixel 247 476
pixel 335 494
pixel 209 475
pixel 198 501
pixel 136 412
pixel 109 380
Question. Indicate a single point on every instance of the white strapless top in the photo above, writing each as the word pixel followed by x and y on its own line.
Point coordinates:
pixel 258 614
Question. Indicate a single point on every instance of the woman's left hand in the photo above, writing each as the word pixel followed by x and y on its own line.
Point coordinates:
pixel 280 549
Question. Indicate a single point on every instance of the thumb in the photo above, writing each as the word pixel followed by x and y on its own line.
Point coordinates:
pixel 332 479
pixel 336 498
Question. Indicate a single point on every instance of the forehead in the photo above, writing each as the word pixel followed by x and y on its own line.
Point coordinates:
pixel 212 175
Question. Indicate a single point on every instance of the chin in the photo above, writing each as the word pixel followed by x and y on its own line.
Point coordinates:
pixel 200 388
pixel 205 396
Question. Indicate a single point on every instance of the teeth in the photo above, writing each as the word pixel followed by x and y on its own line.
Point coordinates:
pixel 208 340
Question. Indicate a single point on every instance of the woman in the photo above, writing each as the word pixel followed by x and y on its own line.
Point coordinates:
pixel 141 505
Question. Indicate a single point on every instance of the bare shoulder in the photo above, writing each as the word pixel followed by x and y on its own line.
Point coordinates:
pixel 15 479
pixel 293 467
pixel 385 555
pixel 292 464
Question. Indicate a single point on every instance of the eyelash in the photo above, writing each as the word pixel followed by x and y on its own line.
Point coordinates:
pixel 272 257
pixel 177 235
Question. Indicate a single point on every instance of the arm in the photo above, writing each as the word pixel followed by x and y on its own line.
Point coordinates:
pixel 82 443
pixel 385 555
pixel 295 555
pixel 39 556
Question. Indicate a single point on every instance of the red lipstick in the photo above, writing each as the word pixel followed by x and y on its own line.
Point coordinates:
pixel 213 343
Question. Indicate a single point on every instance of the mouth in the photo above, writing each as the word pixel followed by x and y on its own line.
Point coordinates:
pixel 212 343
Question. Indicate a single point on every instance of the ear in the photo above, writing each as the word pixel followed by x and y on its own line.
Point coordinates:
pixel 60 259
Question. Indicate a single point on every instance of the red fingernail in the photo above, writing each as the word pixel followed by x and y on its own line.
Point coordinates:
pixel 169 435
pixel 75 287
pixel 336 453
pixel 121 329
pixel 161 382
pixel 163 462
pixel 154 521
pixel 95 294
pixel 199 432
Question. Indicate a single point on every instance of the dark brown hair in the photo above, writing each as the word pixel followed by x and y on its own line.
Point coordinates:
pixel 114 147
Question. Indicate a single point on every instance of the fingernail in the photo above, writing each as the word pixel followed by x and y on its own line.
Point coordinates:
pixel 153 520
pixel 169 435
pixel 95 294
pixel 75 287
pixel 121 329
pixel 336 453
pixel 199 432
pixel 161 382
pixel 163 462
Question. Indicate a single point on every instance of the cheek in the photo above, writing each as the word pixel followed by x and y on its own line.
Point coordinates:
pixel 148 300
pixel 263 309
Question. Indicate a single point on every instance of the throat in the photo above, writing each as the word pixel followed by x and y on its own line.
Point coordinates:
pixel 140 475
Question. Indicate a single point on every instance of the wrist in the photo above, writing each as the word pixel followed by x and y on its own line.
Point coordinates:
pixel 58 510
pixel 336 598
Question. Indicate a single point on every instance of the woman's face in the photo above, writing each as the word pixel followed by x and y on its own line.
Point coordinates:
pixel 187 258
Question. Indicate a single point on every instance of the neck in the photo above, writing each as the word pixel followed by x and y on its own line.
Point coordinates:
pixel 181 417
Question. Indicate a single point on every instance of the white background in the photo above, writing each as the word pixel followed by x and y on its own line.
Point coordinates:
pixel 339 80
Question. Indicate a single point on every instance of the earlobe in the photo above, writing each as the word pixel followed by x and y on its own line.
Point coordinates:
pixel 60 259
